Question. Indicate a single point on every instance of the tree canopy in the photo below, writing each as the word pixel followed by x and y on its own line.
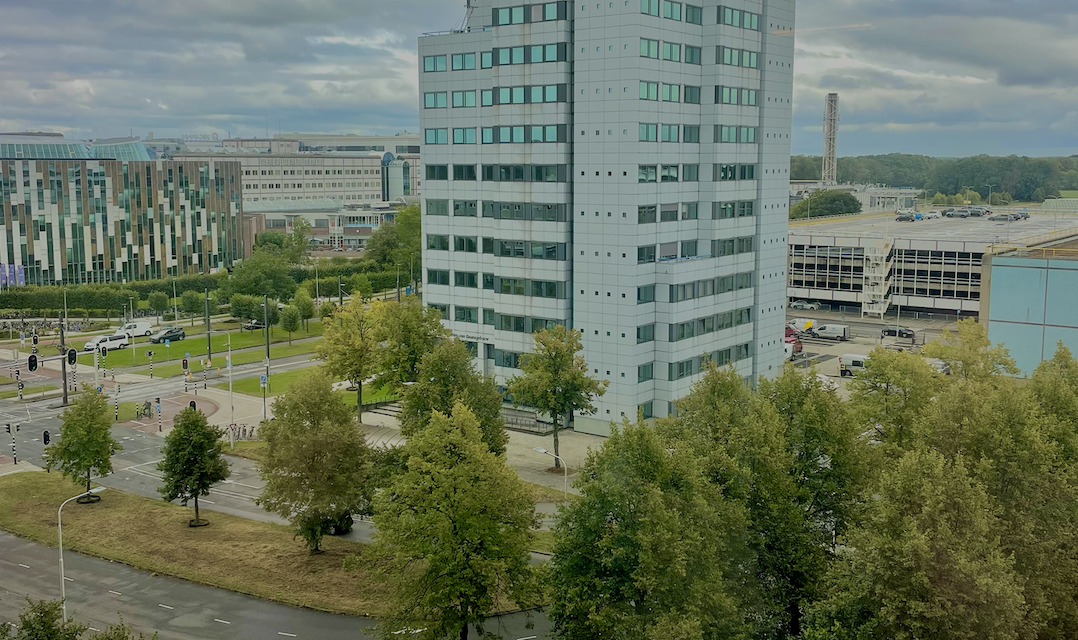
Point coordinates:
pixel 348 346
pixel 825 203
pixel 86 444
pixel 264 273
pixel 192 460
pixel 404 332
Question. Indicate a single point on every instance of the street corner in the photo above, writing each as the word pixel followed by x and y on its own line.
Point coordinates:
pixel 8 466
pixel 147 420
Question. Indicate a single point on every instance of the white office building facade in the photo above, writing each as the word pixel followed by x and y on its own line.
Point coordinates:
pixel 621 168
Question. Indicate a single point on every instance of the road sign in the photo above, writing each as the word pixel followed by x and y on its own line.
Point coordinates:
pixel 168 342
pixel 99 391
pixel 187 354
pixel 262 381
pixel 149 354
pixel 265 362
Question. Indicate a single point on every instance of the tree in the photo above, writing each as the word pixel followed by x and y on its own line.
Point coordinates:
pixel 404 332
pixel 264 273
pixel 245 307
pixel 271 237
pixel 296 244
pixel 825 203
pixel 651 550
pixel 86 444
pixel 555 379
pixel 291 321
pixel 925 564
pixel 969 353
pixel 317 461
pixel 327 309
pixel 360 285
pixel 159 303
pixel 397 242
pixel 446 377
pixel 939 198
pixel 348 347
pixel 892 393
pixel 43 620
pixel 193 303
pixel 456 527
pixel 191 460
pixel 305 305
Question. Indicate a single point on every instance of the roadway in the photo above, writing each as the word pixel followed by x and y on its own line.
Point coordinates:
pixel 99 592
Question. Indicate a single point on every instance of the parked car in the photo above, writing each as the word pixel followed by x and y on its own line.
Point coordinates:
pixel 932 215
pixel 801 325
pixel 253 325
pixel 117 341
pixel 901 332
pixel 905 217
pixel 1002 217
pixel 976 213
pixel 851 363
pixel 839 332
pixel 168 333
pixel 805 305
pixel 792 331
pixel 947 210
pixel 1021 213
pixel 132 329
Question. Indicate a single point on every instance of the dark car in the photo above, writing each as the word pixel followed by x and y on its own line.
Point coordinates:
pixel 905 217
pixel 901 332
pixel 168 333
pixel 1022 214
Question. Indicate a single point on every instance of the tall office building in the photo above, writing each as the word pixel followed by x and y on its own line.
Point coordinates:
pixel 618 167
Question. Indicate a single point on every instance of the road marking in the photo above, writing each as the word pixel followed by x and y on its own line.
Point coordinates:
pixel 165 606
pixel 528 638
pixel 205 501
pixel 221 621
pixel 115 593
pixel 94 630
pixel 24 566
pixel 287 635
pixel 69 579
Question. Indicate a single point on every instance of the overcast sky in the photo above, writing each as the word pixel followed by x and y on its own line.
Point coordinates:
pixel 939 77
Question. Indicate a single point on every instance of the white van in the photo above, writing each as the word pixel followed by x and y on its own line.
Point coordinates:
pixel 132 329
pixel 117 341
pixel 840 332
pixel 851 363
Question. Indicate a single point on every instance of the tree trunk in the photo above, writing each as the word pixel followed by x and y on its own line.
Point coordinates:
pixel 290 338
pixel 196 509
pixel 794 611
pixel 87 481
pixel 359 400
pixel 557 460
pixel 464 632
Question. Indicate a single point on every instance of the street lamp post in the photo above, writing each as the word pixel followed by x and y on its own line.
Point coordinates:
pixel 990 186
pixel 60 539
pixel 564 467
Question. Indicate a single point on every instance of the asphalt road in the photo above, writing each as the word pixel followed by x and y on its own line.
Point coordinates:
pixel 99 592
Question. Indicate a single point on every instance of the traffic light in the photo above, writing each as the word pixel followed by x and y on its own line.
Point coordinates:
pixel 35 339
pixel 31 363
pixel 45 438
pixel 72 355
pixel 104 352
pixel 185 364
pixel 192 404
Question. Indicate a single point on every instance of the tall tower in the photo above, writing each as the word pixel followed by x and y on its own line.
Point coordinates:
pixel 830 140
pixel 621 168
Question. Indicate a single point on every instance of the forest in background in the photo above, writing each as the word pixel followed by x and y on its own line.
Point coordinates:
pixel 1014 177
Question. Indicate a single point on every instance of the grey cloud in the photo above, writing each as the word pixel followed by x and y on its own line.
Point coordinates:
pixel 868 79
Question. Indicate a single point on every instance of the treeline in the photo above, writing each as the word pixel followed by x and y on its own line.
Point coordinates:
pixel 1014 177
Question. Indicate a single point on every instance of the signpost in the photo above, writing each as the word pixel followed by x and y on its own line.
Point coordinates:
pixel 149 354
pixel 263 381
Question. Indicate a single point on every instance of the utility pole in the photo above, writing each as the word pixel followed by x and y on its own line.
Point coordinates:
pixel 63 359
pixel 209 346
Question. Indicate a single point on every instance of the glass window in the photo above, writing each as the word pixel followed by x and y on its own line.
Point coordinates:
pixel 645 214
pixel 670 133
pixel 437 243
pixel 644 294
pixel 487 96
pixel 692 95
pixel 551 93
pixel 551 53
pixel 505 56
pixel 645 254
pixel 689 210
pixel 517 15
pixel 649 90
pixel 550 11
pixel 464 98
pixel 649 48
pixel 465 208
pixel 646 173
pixel 669 173
pixel 671 10
pixel 437 207
pixel 463 61
pixel 645 372
pixel 502 16
pixel 467 279
pixel 671 93
pixel 486 59
pixel 688 249
pixel 464 172
pixel 436 136
pixel 645 333
pixel 668 213
pixel 518 95
pixel 518 55
pixel 437 172
pixel 434 63
pixel 434 100
pixel 650 7
pixel 466 314
pixel 692 54
pixel 672 51
pixel 693 14
pixel 464 136
pixel 691 133
pixel 648 132
pixel 466 244
pixel 435 276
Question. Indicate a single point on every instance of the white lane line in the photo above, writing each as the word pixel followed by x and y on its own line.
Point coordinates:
pixel 94 630
pixel 24 566
pixel 528 638
pixel 115 593
pixel 165 606
pixel 205 501
pixel 69 579
pixel 287 635
pixel 221 621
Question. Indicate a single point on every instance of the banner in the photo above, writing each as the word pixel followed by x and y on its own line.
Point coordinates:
pixel 20 275
pixel 3 274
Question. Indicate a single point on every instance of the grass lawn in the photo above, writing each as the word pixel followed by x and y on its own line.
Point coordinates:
pixel 257 558
pixel 193 344
pixel 28 391
pixel 252 450
pixel 541 493
pixel 283 381
pixel 244 357
pixel 543 541
pixel 1065 193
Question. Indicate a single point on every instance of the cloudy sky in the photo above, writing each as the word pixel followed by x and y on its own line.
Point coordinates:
pixel 940 77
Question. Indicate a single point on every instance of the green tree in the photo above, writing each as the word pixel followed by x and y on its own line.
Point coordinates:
pixel 348 347
pixel 939 198
pixel 192 460
pixel 305 305
pixel 296 244
pixel 317 462
pixel 159 303
pixel 456 528
pixel 396 242
pixel 360 285
pixel 651 550
pixel 264 273
pixel 825 203
pixel 404 332
pixel 925 564
pixel 193 303
pixel 969 353
pixel 85 445
pixel 446 377
pixel 327 309
pixel 892 393
pixel 291 320
pixel 43 620
pixel 555 379
pixel 244 306
pixel 271 237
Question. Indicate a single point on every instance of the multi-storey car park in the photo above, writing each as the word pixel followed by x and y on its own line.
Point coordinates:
pixel 875 263
pixel 621 168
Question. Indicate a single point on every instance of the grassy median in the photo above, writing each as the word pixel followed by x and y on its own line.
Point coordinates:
pixel 257 558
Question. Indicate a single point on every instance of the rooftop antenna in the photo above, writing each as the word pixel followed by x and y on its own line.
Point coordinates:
pixel 830 141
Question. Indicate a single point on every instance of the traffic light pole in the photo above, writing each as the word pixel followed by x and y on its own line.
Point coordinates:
pixel 63 360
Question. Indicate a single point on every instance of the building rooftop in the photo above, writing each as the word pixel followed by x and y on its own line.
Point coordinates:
pixel 883 225
pixel 293 206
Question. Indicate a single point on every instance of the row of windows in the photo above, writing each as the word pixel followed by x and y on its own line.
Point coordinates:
pixel 728 210
pixel 724 133
pixel 668 92
pixel 655 132
pixel 667 173
pixel 526 134
pixel 648 214
pixel 669 51
pixel 501 173
pixel 535 94
pixel 501 248
pixel 726 172
pixel 531 94
pixel 532 54
pixel 690 249
pixel 500 210
pixel 735 95
pixel 710 324
pixel 510 286
pixel 737 57
pixel 738 18
pixel 544 12
pixel 502 322
pixel 693 366
pixel 673 10
pixel 710 287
